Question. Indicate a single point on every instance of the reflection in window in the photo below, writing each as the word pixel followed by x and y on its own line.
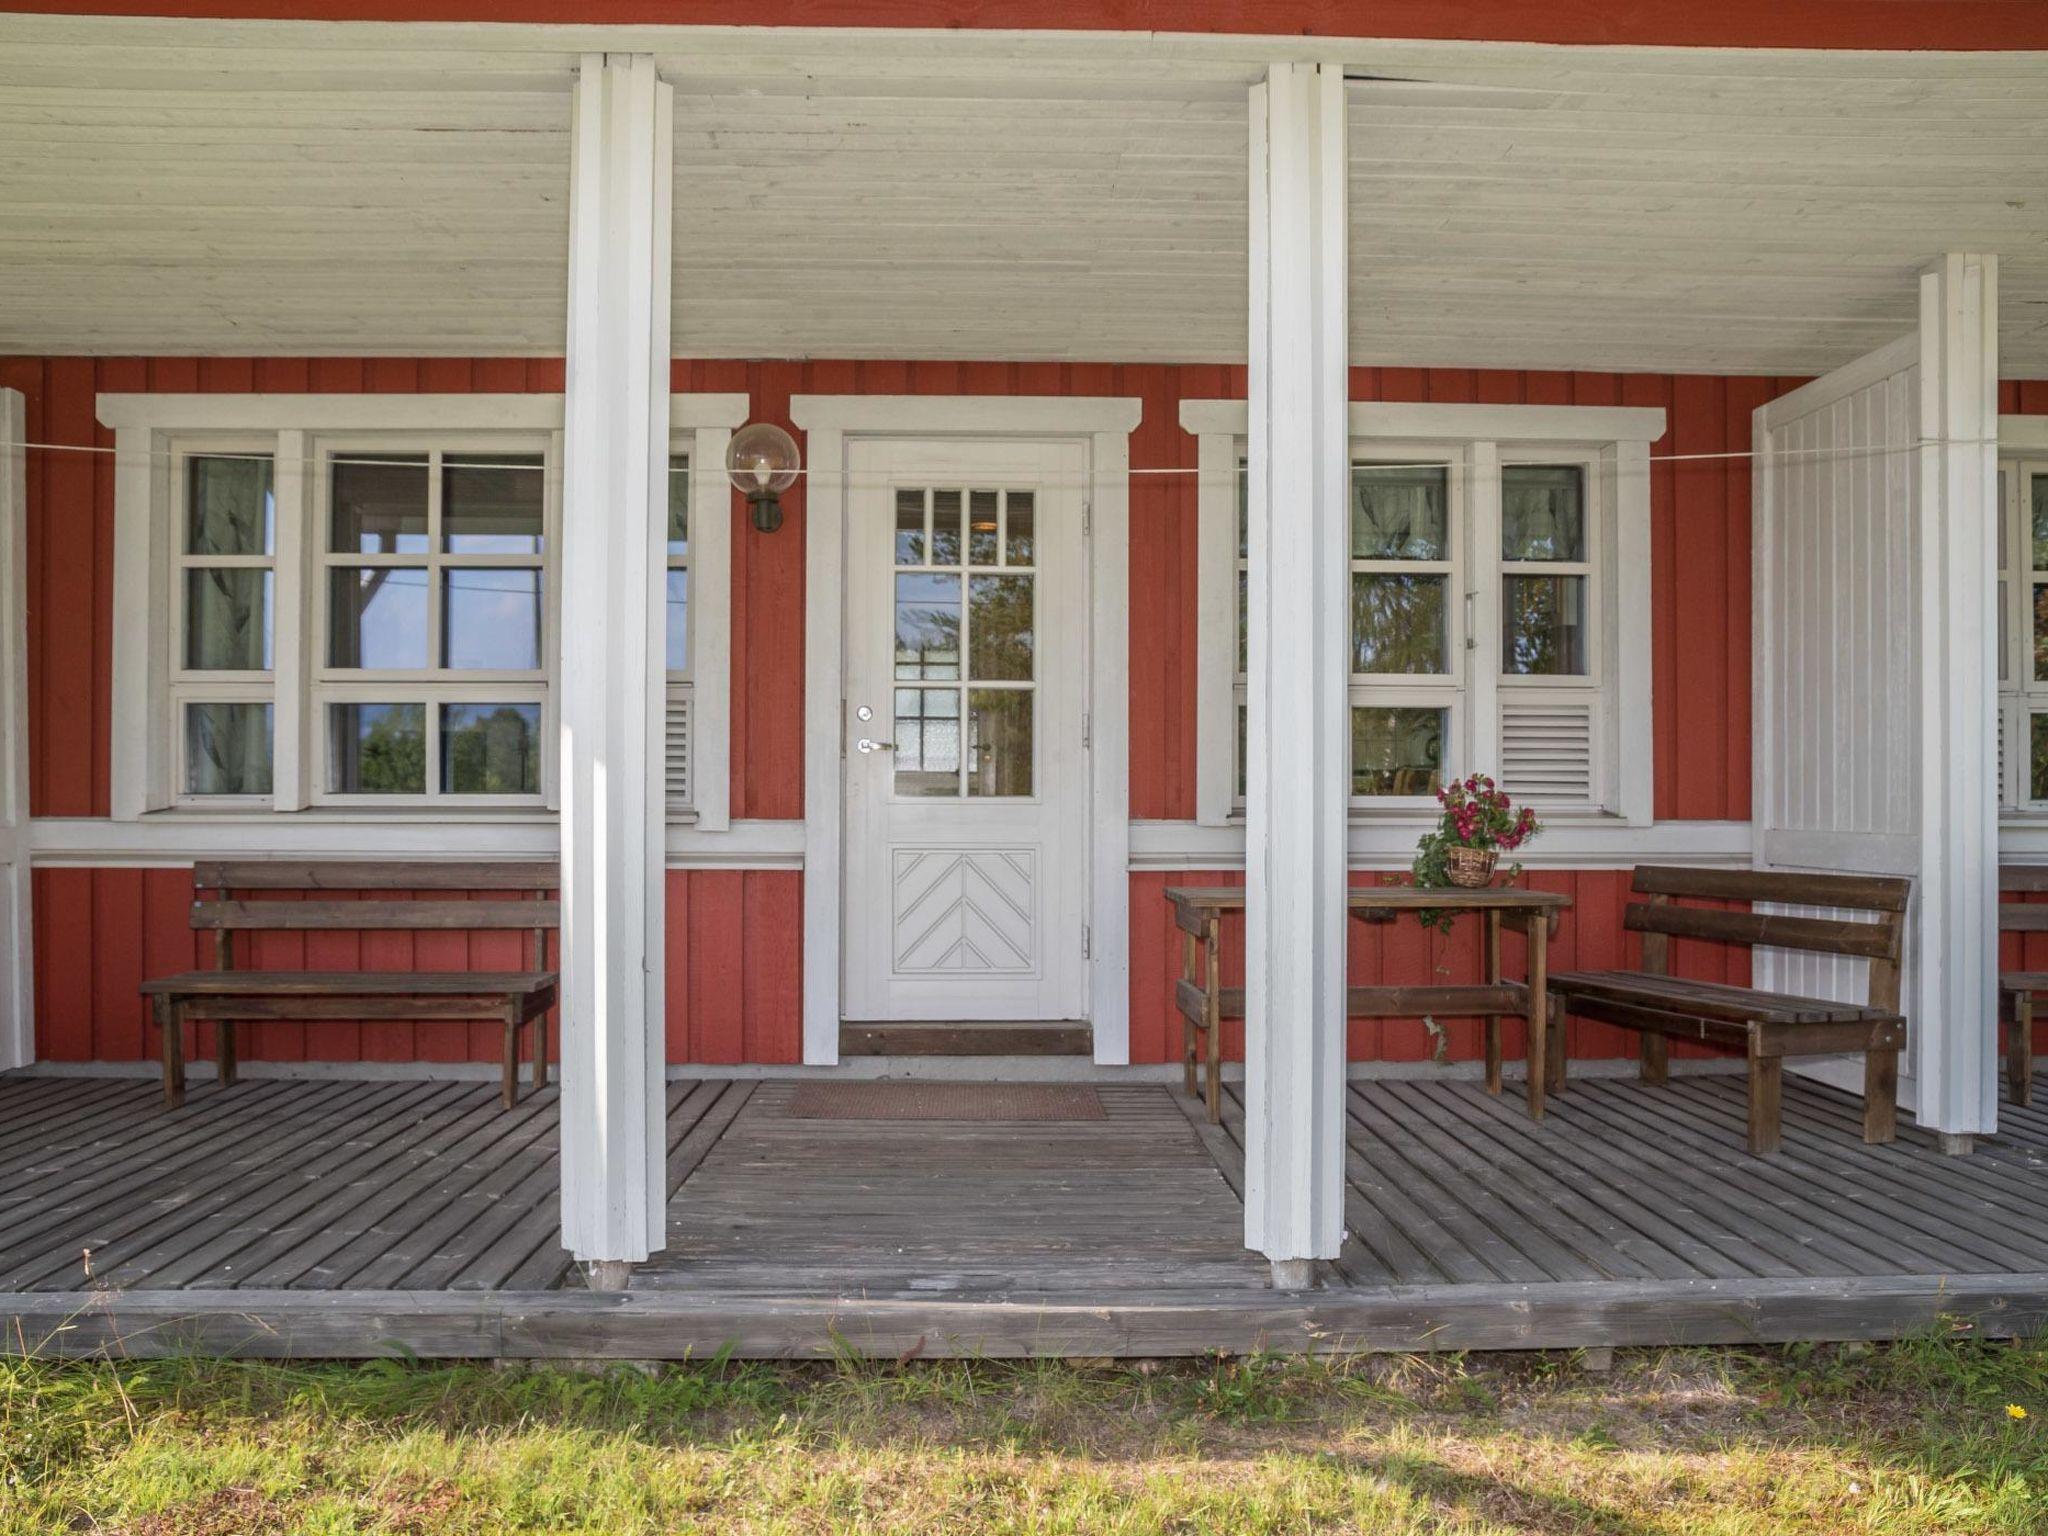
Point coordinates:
pixel 491 504
pixel 1396 751
pixel 491 619
pixel 490 749
pixel 377 749
pixel 377 617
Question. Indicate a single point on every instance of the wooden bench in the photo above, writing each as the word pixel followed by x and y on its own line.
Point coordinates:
pixel 2016 989
pixel 228 997
pixel 1769 1026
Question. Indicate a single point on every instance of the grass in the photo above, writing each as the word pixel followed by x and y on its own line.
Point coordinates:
pixel 1915 1437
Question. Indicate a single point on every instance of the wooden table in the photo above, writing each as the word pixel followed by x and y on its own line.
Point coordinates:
pixel 1204 1002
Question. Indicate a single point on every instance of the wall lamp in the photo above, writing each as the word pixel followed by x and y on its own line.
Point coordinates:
pixel 762 461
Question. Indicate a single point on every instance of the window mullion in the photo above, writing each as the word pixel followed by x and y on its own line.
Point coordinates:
pixel 1481 660
pixel 291 630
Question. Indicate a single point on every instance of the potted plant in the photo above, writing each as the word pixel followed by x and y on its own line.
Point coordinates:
pixel 1478 823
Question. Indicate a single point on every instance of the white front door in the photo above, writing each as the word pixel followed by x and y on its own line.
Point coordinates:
pixel 967 807
pixel 17 1022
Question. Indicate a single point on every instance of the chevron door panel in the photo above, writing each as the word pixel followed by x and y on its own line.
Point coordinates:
pixel 970 911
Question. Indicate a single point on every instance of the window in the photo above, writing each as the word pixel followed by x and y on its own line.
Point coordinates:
pixel 676 636
pixel 2023 634
pixel 1487 632
pixel 351 603
pixel 433 638
pixel 225 594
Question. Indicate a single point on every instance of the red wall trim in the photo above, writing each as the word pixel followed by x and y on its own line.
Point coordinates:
pixel 1969 25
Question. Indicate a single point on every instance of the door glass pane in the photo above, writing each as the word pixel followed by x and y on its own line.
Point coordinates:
pixel 999 742
pixel 945 528
pixel 910 527
pixel 927 627
pixel 2037 490
pixel 379 507
pixel 1542 512
pixel 491 503
pixel 999 628
pixel 491 620
pixel 2037 758
pixel 377 616
pixel 1399 512
pixel 927 741
pixel 1396 751
pixel 2041 631
pixel 227 619
pixel 231 508
pixel 377 749
pixel 490 749
pixel 1397 623
pixel 984 527
pixel 1020 525
pixel 227 749
pixel 1543 630
pixel 679 621
pixel 679 504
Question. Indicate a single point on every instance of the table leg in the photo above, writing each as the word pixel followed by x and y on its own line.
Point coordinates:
pixel 1190 975
pixel 1212 1010
pixel 1493 1019
pixel 170 1023
pixel 1539 1012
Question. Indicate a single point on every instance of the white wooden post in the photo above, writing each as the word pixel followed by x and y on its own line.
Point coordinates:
pixel 1955 999
pixel 1298 746
pixel 614 506
pixel 17 950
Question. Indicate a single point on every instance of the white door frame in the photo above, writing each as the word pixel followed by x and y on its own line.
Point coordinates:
pixel 17 951
pixel 827 422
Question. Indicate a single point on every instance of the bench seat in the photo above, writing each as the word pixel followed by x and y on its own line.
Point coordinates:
pixel 355 983
pixel 1766 1026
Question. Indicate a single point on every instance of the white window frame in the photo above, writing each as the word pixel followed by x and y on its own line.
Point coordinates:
pixel 153 431
pixel 1611 444
pixel 2022 696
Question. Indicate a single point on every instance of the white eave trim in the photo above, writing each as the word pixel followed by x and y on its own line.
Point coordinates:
pixel 1503 423
pixel 934 415
pixel 382 413
pixel 2023 434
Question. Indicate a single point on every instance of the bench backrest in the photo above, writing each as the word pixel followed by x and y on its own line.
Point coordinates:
pixel 2023 916
pixel 1879 941
pixel 226 915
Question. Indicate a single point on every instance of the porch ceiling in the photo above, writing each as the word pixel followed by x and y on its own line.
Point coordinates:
pixel 275 187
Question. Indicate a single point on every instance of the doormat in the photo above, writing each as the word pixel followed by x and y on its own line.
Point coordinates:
pixel 945 1101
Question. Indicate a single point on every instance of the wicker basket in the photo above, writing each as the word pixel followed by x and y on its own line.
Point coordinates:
pixel 1471 867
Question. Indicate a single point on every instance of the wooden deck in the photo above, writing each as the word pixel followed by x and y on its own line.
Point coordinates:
pixel 335 1217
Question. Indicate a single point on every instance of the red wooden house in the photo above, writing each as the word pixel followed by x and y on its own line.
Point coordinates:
pixel 1216 427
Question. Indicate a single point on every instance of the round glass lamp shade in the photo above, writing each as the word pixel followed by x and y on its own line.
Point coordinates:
pixel 762 459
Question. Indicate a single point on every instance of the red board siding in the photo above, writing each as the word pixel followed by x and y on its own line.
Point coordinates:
pixel 734 970
pixel 1859 24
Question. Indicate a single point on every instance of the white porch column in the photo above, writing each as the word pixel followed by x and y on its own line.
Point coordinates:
pixel 615 489
pixel 1955 1001
pixel 1298 736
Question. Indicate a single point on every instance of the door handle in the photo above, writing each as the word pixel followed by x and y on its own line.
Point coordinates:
pixel 865 745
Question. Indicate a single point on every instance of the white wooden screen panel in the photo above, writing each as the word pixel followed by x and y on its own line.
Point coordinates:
pixel 1837 677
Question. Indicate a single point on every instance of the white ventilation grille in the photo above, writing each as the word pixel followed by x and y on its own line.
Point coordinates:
pixel 1546 751
pixel 675 756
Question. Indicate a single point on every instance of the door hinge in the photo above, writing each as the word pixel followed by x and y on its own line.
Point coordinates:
pixel 1087 730
pixel 1087 516
pixel 1087 942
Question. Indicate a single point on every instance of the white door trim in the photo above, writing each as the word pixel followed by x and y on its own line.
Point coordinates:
pixel 827 421
pixel 17 942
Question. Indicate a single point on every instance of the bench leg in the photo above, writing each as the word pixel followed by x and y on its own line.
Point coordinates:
pixel 540 1051
pixel 1215 1073
pixel 1558 1041
pixel 224 1055
pixel 511 1086
pixel 1493 1019
pixel 1656 1057
pixel 1190 975
pixel 2019 1051
pixel 170 1023
pixel 1880 1095
pixel 1766 1101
